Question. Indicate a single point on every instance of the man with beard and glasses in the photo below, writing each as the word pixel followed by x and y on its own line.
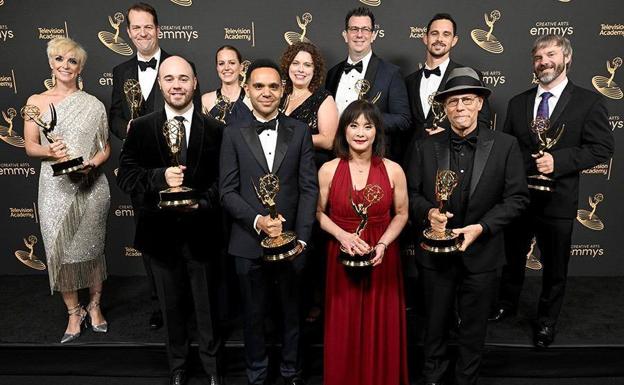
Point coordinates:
pixel 440 38
pixel 586 141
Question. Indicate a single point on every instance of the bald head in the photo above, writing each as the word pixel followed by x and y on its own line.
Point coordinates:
pixel 177 82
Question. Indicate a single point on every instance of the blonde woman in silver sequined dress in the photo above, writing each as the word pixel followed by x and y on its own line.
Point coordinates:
pixel 73 208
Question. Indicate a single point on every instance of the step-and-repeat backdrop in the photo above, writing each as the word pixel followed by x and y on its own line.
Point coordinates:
pixel 195 28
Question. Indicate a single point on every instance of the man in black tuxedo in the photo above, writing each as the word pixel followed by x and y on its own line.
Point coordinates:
pixel 586 142
pixel 387 89
pixel 268 142
pixel 143 31
pixel 491 191
pixel 183 242
pixel 439 40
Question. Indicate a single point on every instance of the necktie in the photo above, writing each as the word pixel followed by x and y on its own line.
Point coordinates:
pixel 542 109
pixel 357 66
pixel 435 71
pixel 458 143
pixel 270 125
pixel 143 65
pixel 183 139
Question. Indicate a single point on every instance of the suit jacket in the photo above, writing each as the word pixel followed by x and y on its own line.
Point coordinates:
pixel 587 141
pixel 498 194
pixel 419 120
pixel 144 158
pixel 385 78
pixel 243 162
pixel 119 113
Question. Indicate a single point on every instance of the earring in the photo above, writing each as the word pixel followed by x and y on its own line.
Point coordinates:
pixel 53 79
pixel 80 85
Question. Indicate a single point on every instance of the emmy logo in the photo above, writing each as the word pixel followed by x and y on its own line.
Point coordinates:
pixel 295 37
pixel 485 39
pixel 285 245
pixel 362 87
pixel 532 261
pixel 113 41
pixel 546 138
pixel 134 97
pixel 67 165
pixel 607 86
pixel 371 194
pixel 589 219
pixel 224 106
pixel 29 258
pixel 371 3
pixel 243 74
pixel 535 80
pixel 183 3
pixel 437 109
pixel 6 132
pixel 444 241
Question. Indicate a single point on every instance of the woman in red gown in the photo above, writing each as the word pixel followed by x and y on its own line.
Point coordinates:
pixel 365 337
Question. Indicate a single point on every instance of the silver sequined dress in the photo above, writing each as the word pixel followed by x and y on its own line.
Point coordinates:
pixel 73 210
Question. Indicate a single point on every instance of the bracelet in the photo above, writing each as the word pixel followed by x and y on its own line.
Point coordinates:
pixel 383 244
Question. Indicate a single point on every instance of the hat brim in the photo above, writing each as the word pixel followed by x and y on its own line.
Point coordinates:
pixel 481 91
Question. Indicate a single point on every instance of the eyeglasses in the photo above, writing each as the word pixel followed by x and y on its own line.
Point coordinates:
pixel 364 30
pixel 466 101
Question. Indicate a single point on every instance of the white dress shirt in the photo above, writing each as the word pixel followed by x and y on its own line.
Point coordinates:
pixel 268 140
pixel 430 85
pixel 552 101
pixel 346 93
pixel 188 118
pixel 148 77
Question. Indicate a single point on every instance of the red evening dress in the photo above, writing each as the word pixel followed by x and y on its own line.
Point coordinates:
pixel 365 336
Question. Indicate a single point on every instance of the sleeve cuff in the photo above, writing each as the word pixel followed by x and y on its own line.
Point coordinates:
pixel 255 222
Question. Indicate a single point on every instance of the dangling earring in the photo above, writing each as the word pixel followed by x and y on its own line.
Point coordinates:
pixel 80 85
pixel 53 79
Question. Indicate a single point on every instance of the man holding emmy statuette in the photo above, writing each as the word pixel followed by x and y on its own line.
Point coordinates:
pixel 384 83
pixel 170 165
pixel 268 185
pixel 135 93
pixel 562 129
pixel 468 179
pixel 439 40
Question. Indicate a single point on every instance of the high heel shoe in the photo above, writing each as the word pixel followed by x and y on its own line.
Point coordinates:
pixel 101 328
pixel 77 312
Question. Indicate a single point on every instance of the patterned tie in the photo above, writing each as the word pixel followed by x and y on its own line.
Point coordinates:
pixel 542 109
pixel 183 144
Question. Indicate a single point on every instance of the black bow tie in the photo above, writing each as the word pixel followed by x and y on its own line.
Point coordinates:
pixel 435 71
pixel 357 66
pixel 143 65
pixel 270 125
pixel 458 143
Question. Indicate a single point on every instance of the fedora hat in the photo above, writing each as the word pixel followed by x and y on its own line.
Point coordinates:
pixel 462 80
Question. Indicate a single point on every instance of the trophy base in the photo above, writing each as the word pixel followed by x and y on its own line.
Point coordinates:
pixel 177 197
pixel 67 166
pixel 541 183
pixel 446 242
pixel 32 262
pixel 356 260
pixel 284 246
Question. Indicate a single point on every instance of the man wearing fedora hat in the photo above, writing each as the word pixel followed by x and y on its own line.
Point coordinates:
pixel 491 191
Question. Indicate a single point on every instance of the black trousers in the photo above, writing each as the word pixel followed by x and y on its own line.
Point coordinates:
pixel 181 279
pixel 258 281
pixel 554 238
pixel 472 292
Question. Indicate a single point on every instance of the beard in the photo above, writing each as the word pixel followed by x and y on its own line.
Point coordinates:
pixel 546 78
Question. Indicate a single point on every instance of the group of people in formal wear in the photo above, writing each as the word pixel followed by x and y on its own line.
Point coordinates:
pixel 328 141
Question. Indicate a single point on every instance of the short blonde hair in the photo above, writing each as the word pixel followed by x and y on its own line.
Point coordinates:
pixel 62 45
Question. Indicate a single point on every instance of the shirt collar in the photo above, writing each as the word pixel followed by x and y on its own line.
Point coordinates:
pixel 262 120
pixel 364 60
pixel 556 91
pixel 156 56
pixel 188 114
pixel 442 66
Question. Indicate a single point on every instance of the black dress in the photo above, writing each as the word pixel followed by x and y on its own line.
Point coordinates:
pixel 307 112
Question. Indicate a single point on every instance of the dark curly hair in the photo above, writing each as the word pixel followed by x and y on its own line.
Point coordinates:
pixel 319 65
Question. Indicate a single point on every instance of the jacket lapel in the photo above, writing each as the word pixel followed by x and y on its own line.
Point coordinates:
pixel 284 135
pixel 482 153
pixel 417 102
pixel 163 147
pixel 530 104
pixel 371 74
pixel 566 95
pixel 194 151
pixel 442 151
pixel 335 79
pixel 248 131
